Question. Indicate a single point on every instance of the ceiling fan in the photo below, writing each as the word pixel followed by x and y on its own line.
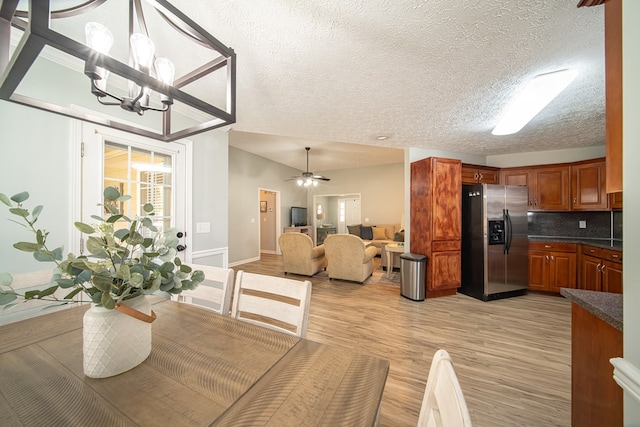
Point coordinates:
pixel 308 178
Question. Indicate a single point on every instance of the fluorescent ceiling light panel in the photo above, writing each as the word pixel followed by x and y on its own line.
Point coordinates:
pixel 539 92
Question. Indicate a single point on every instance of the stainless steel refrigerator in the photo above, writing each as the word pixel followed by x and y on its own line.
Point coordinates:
pixel 494 241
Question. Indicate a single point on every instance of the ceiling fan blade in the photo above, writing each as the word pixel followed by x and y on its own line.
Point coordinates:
pixel 323 178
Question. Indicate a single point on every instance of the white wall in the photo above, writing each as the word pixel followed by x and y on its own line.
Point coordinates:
pixel 381 190
pixel 631 230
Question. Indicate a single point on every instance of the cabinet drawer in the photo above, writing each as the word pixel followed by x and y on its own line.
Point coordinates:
pixel 592 251
pixel 445 245
pixel 611 255
pixel 552 246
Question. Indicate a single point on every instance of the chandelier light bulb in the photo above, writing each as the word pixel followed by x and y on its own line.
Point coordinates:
pixel 143 49
pixel 165 70
pixel 299 181
pixel 98 37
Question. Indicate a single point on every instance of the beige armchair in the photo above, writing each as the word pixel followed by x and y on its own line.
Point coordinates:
pixel 299 254
pixel 348 258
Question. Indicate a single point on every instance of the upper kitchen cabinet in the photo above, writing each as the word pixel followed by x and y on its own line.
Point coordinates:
pixel 548 186
pixel 613 92
pixel 436 222
pixel 588 186
pixel 475 174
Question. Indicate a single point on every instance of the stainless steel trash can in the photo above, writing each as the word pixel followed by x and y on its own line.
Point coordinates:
pixel 413 268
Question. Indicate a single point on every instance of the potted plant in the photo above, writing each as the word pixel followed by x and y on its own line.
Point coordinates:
pixel 127 259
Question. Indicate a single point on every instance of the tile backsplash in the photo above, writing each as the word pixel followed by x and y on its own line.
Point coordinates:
pixel 599 225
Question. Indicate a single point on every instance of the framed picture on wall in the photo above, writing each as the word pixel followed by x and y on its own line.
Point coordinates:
pixel 263 206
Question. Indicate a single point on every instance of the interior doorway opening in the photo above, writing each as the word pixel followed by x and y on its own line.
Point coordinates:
pixel 270 220
pixel 338 210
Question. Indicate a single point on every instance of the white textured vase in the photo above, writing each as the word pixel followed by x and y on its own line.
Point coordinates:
pixel 114 342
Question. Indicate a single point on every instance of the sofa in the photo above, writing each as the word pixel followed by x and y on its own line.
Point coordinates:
pixel 348 258
pixel 299 254
pixel 378 234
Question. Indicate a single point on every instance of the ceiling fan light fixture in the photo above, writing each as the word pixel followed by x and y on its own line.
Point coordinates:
pixel 308 179
pixel 536 95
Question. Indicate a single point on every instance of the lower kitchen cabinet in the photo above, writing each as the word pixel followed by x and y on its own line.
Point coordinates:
pixel 552 266
pixel 600 269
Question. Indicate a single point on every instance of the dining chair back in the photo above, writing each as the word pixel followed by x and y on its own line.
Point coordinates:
pixel 443 404
pixel 274 302
pixel 214 293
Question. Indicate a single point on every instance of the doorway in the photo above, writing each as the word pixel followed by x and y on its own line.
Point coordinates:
pixel 270 221
pixel 147 170
pixel 339 210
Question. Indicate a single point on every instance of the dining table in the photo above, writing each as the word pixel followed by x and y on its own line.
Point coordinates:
pixel 204 369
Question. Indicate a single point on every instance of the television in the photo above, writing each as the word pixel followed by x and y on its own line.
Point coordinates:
pixel 298 216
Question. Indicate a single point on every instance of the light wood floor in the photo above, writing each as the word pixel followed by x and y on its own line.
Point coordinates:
pixel 512 356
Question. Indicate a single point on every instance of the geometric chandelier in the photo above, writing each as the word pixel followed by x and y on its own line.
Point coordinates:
pixel 189 94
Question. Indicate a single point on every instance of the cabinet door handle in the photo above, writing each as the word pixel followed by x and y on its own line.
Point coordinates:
pixel 598 267
pixel 546 258
pixel 480 175
pixel 551 257
pixel 575 200
pixel 603 267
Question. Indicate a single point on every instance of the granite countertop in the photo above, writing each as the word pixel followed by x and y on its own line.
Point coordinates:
pixel 600 243
pixel 604 305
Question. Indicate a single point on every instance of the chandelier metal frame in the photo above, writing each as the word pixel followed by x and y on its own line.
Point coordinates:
pixel 38 34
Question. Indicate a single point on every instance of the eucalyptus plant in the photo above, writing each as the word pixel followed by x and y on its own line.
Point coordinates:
pixel 123 262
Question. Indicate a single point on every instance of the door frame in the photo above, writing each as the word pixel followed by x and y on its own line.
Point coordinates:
pixel 278 221
pixel 78 179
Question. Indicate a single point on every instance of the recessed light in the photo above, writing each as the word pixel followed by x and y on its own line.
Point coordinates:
pixel 382 137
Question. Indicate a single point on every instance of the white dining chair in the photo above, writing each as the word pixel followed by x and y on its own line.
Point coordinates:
pixel 443 404
pixel 214 293
pixel 273 302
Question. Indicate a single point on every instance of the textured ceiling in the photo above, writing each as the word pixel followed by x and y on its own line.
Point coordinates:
pixel 432 74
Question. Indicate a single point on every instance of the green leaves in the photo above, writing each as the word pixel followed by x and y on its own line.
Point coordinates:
pixel 20 197
pixel 5 279
pixel 126 257
pixel 84 228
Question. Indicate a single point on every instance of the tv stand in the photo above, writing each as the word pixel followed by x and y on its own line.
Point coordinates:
pixel 305 229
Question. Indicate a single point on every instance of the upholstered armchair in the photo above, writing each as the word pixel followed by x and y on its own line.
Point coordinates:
pixel 299 254
pixel 348 258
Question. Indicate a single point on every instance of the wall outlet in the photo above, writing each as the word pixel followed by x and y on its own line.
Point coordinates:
pixel 203 227
pixel 583 224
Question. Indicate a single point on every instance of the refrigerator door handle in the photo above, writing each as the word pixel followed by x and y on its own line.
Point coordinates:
pixel 509 231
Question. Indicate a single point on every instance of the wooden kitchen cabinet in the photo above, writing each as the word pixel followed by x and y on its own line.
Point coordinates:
pixel 613 93
pixel 588 186
pixel 475 174
pixel 552 266
pixel 600 269
pixel 615 200
pixel 548 186
pixel 436 222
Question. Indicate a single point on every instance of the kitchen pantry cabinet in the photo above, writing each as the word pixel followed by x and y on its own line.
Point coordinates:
pixel 548 186
pixel 552 266
pixel 600 269
pixel 436 222
pixel 474 174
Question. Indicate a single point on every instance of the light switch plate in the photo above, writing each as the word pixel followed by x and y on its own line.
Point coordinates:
pixel 203 227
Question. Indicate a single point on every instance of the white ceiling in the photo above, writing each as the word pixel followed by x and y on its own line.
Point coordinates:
pixel 433 74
